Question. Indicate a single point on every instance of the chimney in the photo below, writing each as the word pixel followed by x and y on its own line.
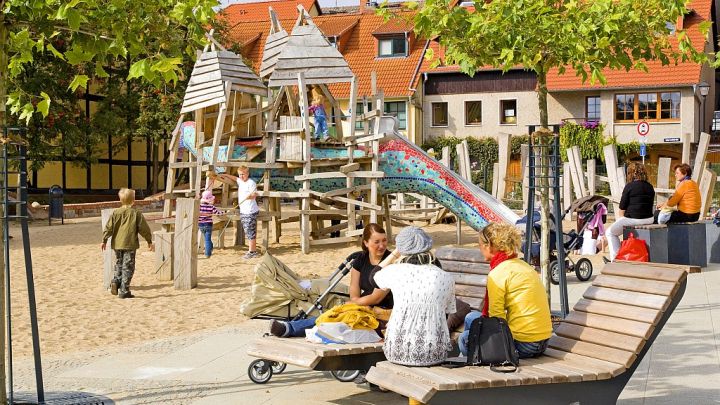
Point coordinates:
pixel 368 6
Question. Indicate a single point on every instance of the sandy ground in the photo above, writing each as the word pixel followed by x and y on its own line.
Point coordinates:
pixel 76 314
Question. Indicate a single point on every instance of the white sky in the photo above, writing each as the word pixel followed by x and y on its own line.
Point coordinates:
pixel 323 3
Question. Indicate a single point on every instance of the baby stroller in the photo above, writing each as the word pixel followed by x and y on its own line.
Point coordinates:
pixel 279 294
pixel 586 208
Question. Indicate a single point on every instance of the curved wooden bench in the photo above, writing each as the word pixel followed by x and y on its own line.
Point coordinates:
pixel 470 272
pixel 591 355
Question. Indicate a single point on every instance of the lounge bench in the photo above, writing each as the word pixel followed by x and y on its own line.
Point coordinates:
pixel 470 272
pixel 591 355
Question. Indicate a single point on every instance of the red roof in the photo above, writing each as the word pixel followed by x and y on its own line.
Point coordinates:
pixel 394 75
pixel 285 9
pixel 682 74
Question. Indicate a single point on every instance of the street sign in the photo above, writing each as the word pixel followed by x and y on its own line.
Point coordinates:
pixel 671 139
pixel 643 128
pixel 643 150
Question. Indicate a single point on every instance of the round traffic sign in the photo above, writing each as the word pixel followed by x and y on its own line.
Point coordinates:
pixel 643 128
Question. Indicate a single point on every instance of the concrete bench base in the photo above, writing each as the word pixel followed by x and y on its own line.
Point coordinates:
pixel 656 237
pixel 680 243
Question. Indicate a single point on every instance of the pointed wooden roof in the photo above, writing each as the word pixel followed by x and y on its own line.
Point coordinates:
pixel 308 51
pixel 273 45
pixel 212 70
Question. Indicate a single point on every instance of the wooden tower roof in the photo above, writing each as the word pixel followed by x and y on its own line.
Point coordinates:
pixel 273 45
pixel 308 51
pixel 212 70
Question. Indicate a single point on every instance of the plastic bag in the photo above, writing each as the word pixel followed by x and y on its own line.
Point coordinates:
pixel 340 332
pixel 633 250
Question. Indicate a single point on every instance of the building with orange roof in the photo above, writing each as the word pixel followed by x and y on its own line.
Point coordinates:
pixel 258 11
pixel 369 44
pixel 666 97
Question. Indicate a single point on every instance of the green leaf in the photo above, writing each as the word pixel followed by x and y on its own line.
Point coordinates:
pixel 27 113
pixel 73 18
pixel 138 69
pixel 43 106
pixel 100 71
pixel 54 51
pixel 78 81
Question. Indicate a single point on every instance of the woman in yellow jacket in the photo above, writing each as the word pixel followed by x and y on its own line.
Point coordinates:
pixel 514 293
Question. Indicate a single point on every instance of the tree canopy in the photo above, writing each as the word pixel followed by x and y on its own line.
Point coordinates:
pixel 154 37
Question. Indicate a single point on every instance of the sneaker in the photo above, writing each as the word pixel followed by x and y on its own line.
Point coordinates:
pixel 126 295
pixel 279 328
pixel 113 288
pixel 360 379
pixel 251 255
pixel 606 260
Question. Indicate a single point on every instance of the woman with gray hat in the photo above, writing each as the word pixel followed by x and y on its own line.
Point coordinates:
pixel 417 333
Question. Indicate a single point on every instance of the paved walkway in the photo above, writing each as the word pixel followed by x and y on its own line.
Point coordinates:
pixel 682 367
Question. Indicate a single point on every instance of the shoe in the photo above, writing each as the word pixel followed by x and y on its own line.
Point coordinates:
pixel 278 328
pixel 360 379
pixel 113 288
pixel 606 260
pixel 126 295
pixel 251 255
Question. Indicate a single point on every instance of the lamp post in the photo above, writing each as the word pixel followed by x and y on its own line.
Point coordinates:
pixel 704 89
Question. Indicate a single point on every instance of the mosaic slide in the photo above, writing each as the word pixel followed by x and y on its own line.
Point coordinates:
pixel 407 169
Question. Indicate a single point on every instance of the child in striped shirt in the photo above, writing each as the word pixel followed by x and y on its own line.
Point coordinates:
pixel 205 219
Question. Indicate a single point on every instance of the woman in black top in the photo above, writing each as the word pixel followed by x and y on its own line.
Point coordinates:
pixel 374 245
pixel 636 206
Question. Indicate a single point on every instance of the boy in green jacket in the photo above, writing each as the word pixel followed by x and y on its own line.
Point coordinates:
pixel 124 226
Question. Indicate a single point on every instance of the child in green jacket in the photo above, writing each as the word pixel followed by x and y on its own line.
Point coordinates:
pixel 123 227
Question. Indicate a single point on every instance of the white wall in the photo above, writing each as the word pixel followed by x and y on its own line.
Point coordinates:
pixel 527 114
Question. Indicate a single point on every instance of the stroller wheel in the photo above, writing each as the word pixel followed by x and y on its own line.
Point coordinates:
pixel 554 272
pixel 345 375
pixel 278 367
pixel 583 269
pixel 260 371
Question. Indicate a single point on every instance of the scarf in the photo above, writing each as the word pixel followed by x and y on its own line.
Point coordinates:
pixel 494 262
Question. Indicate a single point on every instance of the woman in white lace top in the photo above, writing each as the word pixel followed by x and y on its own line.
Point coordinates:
pixel 417 333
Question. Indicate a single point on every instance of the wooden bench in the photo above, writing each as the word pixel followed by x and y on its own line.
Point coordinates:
pixel 591 355
pixel 470 272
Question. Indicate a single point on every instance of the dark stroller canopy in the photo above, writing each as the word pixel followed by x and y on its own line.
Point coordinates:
pixel 588 203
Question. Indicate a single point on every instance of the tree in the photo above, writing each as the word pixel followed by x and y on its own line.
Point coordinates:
pixel 538 35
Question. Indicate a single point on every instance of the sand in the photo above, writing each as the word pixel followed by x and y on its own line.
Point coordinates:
pixel 76 314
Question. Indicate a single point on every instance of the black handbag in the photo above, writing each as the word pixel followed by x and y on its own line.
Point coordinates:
pixel 490 343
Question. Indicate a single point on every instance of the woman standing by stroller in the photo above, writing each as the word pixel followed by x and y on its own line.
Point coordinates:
pixel 636 206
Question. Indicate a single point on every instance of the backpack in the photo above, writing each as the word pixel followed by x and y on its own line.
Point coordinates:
pixel 491 343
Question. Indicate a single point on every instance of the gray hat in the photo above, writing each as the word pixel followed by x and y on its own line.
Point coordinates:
pixel 412 240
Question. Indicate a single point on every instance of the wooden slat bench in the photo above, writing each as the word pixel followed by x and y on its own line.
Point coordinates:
pixel 590 358
pixel 470 272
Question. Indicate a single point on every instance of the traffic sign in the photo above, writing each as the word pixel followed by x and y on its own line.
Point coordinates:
pixel 643 128
pixel 643 150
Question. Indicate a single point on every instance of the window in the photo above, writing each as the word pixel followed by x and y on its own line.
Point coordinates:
pixel 473 113
pixel 397 109
pixel 439 114
pixel 359 110
pixel 508 112
pixel 645 106
pixel 333 41
pixel 396 46
pixel 592 108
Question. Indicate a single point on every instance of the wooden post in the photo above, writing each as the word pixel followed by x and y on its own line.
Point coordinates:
pixel 524 154
pixel 707 186
pixel 504 161
pixel 349 182
pixel 567 186
pixel 219 129
pixel 446 156
pixel 663 178
pixel 686 145
pixel 591 176
pixel 163 241
pixel 496 181
pixel 616 187
pixel 307 165
pixel 108 254
pixel 388 219
pixel 700 156
pixel 185 243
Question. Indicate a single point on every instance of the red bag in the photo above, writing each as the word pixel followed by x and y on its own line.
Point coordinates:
pixel 633 250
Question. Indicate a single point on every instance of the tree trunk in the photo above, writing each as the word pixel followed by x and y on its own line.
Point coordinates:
pixel 155 170
pixel 3 121
pixel 543 139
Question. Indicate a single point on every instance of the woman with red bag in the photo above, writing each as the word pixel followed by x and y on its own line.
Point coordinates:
pixel 636 206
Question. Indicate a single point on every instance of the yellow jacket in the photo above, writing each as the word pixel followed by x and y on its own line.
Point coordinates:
pixel 516 294
pixel 354 315
pixel 686 197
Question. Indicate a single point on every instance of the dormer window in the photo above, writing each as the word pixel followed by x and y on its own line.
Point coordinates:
pixel 392 46
pixel 333 41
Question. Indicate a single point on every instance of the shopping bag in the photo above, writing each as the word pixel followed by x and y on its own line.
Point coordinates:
pixel 633 249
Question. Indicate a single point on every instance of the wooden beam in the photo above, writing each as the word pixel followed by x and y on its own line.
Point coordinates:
pixel 663 178
pixel 185 243
pixel 334 175
pixel 700 156
pixel 350 167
